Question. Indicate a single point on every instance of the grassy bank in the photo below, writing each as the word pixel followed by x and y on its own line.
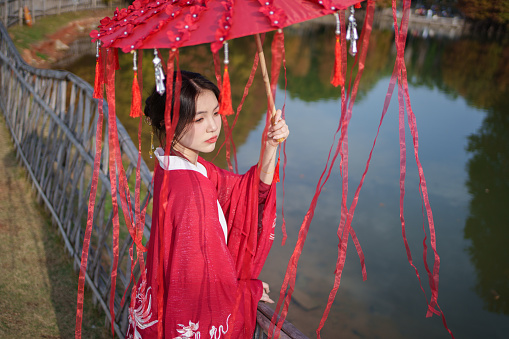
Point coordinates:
pixel 24 36
pixel 38 285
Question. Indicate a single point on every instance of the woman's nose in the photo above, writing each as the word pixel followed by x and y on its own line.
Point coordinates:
pixel 212 127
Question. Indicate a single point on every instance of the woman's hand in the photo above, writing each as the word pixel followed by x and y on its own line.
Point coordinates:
pixel 275 134
pixel 265 296
pixel 277 131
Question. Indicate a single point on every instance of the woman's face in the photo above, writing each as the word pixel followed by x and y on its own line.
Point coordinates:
pixel 201 134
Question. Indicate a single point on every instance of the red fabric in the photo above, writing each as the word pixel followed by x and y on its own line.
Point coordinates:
pixel 433 307
pixel 201 272
pixel 347 214
pixel 136 98
pixel 344 228
pixel 90 218
pixel 277 49
pixel 114 148
pixel 276 171
pixel 163 25
pixel 283 146
pixel 226 94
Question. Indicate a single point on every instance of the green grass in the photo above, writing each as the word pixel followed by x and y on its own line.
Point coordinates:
pixel 24 36
pixel 38 284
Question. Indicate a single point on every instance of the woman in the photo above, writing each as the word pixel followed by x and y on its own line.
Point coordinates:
pixel 210 239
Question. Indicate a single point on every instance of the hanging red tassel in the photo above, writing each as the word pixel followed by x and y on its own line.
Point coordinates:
pixel 276 172
pixel 358 5
pixel 99 77
pixel 136 98
pixel 337 76
pixel 226 95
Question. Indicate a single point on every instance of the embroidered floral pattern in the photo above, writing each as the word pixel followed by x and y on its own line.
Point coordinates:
pixel 215 333
pixel 190 331
pixel 139 317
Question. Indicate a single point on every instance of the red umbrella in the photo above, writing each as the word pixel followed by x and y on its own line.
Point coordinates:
pixel 178 23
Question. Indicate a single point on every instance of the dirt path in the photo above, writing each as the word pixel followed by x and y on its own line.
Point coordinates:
pixel 37 282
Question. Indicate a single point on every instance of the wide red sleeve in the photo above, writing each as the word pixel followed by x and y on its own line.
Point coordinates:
pixel 202 293
pixel 250 212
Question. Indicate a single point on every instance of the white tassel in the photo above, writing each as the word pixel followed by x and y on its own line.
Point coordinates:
pixel 351 33
pixel 158 67
pixel 353 47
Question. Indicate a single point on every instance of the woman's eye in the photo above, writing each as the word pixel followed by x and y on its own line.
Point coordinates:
pixel 216 113
pixel 198 120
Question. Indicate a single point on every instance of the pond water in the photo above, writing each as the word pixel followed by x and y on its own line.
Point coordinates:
pixel 460 93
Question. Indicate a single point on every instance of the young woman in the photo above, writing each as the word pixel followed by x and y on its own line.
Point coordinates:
pixel 208 247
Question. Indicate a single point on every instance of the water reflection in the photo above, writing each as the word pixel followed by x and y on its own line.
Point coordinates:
pixel 459 93
pixel 487 225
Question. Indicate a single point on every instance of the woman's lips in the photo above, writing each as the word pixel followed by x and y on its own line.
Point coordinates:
pixel 212 140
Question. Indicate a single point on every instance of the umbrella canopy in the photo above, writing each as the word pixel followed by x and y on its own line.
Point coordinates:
pixel 178 23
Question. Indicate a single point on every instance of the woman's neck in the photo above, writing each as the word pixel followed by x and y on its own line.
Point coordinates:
pixel 185 153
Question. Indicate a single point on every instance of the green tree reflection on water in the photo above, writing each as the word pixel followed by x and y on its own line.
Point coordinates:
pixel 479 72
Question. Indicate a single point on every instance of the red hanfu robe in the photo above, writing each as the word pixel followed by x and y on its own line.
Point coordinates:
pixel 210 265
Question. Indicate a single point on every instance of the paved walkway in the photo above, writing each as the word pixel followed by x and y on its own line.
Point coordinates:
pixel 37 282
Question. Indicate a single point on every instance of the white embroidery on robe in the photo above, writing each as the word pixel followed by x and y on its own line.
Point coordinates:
pixel 139 317
pixel 190 331
pixel 219 330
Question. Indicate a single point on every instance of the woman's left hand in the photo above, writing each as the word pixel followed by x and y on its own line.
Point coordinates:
pixel 265 296
pixel 277 131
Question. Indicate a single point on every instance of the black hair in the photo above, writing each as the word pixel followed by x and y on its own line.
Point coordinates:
pixel 193 84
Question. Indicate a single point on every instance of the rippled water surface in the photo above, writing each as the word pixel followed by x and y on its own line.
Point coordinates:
pixel 460 94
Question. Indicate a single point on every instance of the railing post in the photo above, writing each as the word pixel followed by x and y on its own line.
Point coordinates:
pixel 6 12
pixel 20 13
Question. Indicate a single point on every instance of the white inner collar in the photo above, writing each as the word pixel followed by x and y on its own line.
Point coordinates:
pixel 172 162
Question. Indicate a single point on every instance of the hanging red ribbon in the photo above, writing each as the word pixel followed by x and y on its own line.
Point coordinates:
pixel 90 219
pixel 276 170
pixel 345 228
pixel 112 119
pixel 226 95
pixel 136 98
pixel 171 117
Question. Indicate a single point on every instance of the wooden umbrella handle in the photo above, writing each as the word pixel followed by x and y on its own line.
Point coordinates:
pixel 266 80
